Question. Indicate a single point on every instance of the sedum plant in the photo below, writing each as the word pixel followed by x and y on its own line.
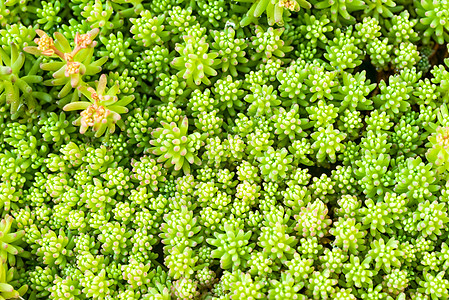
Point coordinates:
pixel 103 110
pixel 274 9
pixel 16 88
pixel 250 149
pixel 174 146
pixel 74 63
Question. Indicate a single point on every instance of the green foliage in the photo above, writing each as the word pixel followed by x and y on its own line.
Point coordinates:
pixel 117 49
pixel 6 277
pixel 431 20
pixel 231 51
pixel 348 235
pixel 232 247
pixel 16 86
pixel 251 149
pixel 340 10
pixel 104 109
pixel 174 146
pixel 75 63
pixel 148 30
pixel 194 63
pixel 274 9
pixel 268 43
pixel 437 151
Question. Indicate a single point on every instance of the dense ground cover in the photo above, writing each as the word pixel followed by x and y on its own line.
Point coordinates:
pixel 217 149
